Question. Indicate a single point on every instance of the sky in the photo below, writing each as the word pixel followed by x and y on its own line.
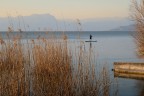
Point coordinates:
pixel 66 9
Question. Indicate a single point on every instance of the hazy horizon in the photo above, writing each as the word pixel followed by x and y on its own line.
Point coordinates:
pixel 49 22
pixel 94 15
pixel 104 18
pixel 67 9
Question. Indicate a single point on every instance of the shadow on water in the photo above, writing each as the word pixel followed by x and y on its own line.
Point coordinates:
pixel 140 86
pixel 138 78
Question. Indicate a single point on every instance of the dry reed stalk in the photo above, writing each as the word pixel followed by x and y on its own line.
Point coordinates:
pixel 12 69
pixel 52 70
pixel 138 16
pixel 86 82
pixel 45 67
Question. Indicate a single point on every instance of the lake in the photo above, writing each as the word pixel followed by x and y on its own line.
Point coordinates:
pixel 110 47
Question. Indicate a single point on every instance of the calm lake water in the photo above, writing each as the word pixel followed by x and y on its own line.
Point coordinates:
pixel 110 47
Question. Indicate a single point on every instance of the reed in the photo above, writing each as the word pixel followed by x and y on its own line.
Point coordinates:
pixel 47 67
pixel 137 14
pixel 12 81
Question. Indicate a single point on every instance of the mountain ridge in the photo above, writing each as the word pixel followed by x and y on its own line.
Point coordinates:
pixel 43 22
pixel 125 28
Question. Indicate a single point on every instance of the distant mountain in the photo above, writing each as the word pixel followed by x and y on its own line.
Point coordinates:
pixel 29 23
pixel 125 28
pixel 48 22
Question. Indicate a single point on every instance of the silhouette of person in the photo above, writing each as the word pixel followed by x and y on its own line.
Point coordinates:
pixel 90 36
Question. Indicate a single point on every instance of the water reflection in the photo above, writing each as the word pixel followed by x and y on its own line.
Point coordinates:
pixel 140 87
pixel 90 45
pixel 129 76
pixel 138 78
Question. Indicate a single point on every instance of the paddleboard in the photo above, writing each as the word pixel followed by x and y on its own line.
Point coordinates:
pixel 90 41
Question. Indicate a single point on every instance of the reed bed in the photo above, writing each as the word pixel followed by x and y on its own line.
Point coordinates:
pixel 137 14
pixel 48 67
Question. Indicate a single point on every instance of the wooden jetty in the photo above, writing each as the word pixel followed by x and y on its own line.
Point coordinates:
pixel 131 68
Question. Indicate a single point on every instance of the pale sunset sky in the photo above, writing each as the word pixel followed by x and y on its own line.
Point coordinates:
pixel 68 9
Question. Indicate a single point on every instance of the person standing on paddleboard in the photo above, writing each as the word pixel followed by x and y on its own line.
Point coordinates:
pixel 90 37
